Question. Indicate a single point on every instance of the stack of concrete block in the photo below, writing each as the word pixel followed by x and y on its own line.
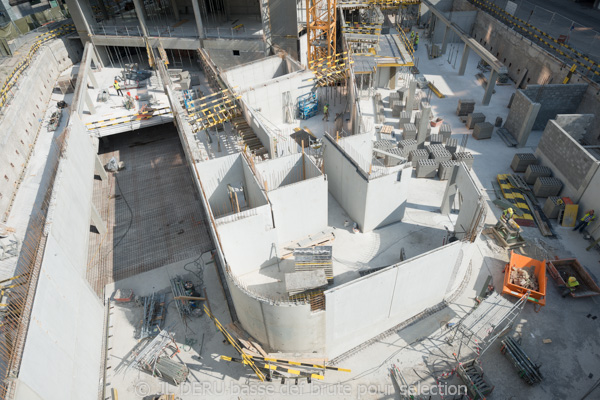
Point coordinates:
pixel 521 161
pixel 417 118
pixel 391 161
pixel 445 131
pixel 551 207
pixel 445 169
pixel 465 157
pixel 452 145
pixel 410 131
pixel 436 139
pixel 435 147
pixel 404 118
pixel 545 186
pixel 395 104
pixel 406 146
pixel 483 130
pixel 440 155
pixel 426 168
pixel 534 171
pixel 465 107
pixel 474 118
pixel 384 144
pixel 416 155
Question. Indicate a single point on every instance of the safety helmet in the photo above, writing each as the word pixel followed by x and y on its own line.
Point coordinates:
pixel 510 210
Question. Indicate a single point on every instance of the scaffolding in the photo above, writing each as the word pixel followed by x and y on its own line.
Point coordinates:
pixel 492 318
pixel 321 29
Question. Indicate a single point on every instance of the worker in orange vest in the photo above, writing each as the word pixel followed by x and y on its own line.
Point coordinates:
pixel 585 221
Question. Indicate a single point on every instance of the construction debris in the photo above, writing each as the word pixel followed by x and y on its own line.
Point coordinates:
pixel 171 370
pixel 525 277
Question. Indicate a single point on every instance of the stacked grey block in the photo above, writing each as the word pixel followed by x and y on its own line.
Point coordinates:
pixel 417 155
pixel 404 118
pixel 407 145
pixel 440 155
pixel 417 118
pixel 551 208
pixel 465 107
pixel 445 131
pixel 435 147
pixel 409 132
pixel 452 145
pixel 465 157
pixel 483 130
pixel 545 186
pixel 474 118
pixel 521 161
pixel 391 161
pixel 426 168
pixel 445 169
pixel 534 171
pixel 395 104
pixel 384 144
pixel 436 139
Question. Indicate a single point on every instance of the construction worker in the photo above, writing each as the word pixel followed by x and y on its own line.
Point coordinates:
pixel 412 36
pixel 585 221
pixel 326 112
pixel 505 217
pixel 572 284
pixel 118 88
pixel 416 42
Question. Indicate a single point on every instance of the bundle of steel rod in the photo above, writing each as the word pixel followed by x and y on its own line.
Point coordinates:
pixel 147 357
pixel 183 306
pixel 526 369
pixel 170 370
pixel 154 311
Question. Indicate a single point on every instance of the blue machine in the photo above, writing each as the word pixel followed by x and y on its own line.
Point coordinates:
pixel 308 105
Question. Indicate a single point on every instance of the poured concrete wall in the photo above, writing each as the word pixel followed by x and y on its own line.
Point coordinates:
pixel 23 118
pixel 368 306
pixel 463 19
pixel 569 161
pixel 386 198
pixel 255 72
pixel 62 354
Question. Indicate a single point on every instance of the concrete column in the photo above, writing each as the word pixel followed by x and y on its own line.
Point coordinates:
pixel 449 193
pixel 528 122
pixel 96 220
pixel 423 125
pixel 490 88
pixel 89 102
pixel 99 168
pixel 141 13
pixel 175 9
pixel 445 41
pixel 464 59
pixel 198 19
pixel 410 100
pixel 92 79
pixel 81 19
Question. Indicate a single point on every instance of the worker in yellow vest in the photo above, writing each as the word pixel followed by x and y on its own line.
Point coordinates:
pixel 118 88
pixel 326 112
pixel 506 216
pixel 572 284
pixel 412 36
pixel 416 42
pixel 585 221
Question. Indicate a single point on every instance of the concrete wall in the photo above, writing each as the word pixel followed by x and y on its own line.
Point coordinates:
pixel 386 198
pixel 384 299
pixel 463 19
pixel 590 104
pixel 570 162
pixel 23 118
pixel 554 99
pixel 62 354
pixel 576 125
pixel 442 5
pixel 284 26
pixel 590 200
pixel 255 72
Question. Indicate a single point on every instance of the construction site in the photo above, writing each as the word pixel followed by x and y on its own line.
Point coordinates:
pixel 349 199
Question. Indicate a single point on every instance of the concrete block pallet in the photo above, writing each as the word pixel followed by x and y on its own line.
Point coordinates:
pixel 436 139
pixel 392 161
pixel 445 169
pixel 434 147
pixel 384 144
pixel 451 145
pixel 521 161
pixel 445 131
pixel 551 207
pixel 465 157
pixel 483 130
pixel 441 155
pixel 404 118
pixel 416 155
pixel 534 171
pixel 406 146
pixel 545 186
pixel 474 118
pixel 465 107
pixel 426 168
pixel 417 118
pixel 410 131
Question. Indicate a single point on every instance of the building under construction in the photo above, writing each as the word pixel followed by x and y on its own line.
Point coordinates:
pixel 238 199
